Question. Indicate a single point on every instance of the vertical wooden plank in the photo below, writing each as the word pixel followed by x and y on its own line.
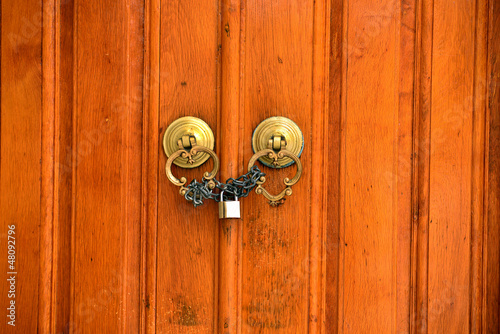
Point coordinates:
pixel 319 179
pixel 49 181
pixel 151 149
pixel 491 260
pixel 186 246
pixel 20 152
pixel 478 166
pixel 73 165
pixel 450 166
pixel 404 177
pixel 106 192
pixel 342 168
pixel 64 158
pixel 333 216
pixel 278 64
pixel 231 165
pixel 374 209
pixel 131 162
pixel 421 163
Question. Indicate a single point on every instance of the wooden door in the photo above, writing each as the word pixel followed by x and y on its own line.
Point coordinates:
pixel 394 226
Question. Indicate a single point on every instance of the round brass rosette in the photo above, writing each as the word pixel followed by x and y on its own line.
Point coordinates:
pixel 283 145
pixel 274 127
pixel 186 127
pixel 188 142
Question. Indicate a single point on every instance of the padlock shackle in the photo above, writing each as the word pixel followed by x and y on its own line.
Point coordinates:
pixel 229 209
pixel 222 196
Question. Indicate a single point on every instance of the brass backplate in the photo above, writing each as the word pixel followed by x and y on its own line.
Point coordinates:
pixel 273 127
pixel 188 126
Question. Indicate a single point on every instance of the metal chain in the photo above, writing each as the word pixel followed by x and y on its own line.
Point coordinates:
pixel 233 188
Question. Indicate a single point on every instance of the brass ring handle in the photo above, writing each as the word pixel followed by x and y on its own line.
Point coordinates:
pixel 189 156
pixel 276 200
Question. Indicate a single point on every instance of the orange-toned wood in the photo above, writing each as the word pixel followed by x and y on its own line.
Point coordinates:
pixel 278 72
pixel 186 236
pixel 374 238
pixel 150 156
pixel 491 243
pixel 341 177
pixel 405 156
pixel 479 162
pixel 106 170
pixel 20 169
pixel 333 133
pixel 48 198
pixel 62 48
pixel 421 157
pixel 232 165
pixel 393 227
pixel 450 167
pixel 319 140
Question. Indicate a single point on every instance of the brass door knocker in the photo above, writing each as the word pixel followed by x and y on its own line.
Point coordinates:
pixel 285 143
pixel 188 142
pixel 183 153
pixel 190 131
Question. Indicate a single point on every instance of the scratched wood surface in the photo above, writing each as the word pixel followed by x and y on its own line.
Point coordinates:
pixel 277 78
pixel 186 237
pixel 20 154
pixel 491 268
pixel 375 175
pixel 106 172
pixel 63 171
pixel 393 227
pixel 449 191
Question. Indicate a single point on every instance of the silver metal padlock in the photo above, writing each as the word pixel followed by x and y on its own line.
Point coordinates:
pixel 229 209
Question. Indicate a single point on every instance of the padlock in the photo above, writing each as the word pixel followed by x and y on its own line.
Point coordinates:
pixel 229 209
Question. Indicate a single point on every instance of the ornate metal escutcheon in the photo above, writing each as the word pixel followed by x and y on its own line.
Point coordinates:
pixel 278 143
pixel 188 142
pixel 195 141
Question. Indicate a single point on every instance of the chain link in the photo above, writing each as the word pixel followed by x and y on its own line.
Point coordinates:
pixel 233 188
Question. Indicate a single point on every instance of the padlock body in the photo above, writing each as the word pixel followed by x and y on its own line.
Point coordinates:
pixel 229 209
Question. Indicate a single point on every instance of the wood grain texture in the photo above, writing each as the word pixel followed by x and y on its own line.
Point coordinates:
pixel 393 227
pixel 403 233
pixel 186 236
pixel 336 61
pixel 131 162
pixel 376 130
pixel 150 165
pixel 64 157
pixel 491 252
pixel 20 154
pixel 232 165
pixel 278 81
pixel 106 187
pixel 48 198
pixel 319 140
pixel 339 328
pixel 450 167
pixel 421 158
pixel 478 167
